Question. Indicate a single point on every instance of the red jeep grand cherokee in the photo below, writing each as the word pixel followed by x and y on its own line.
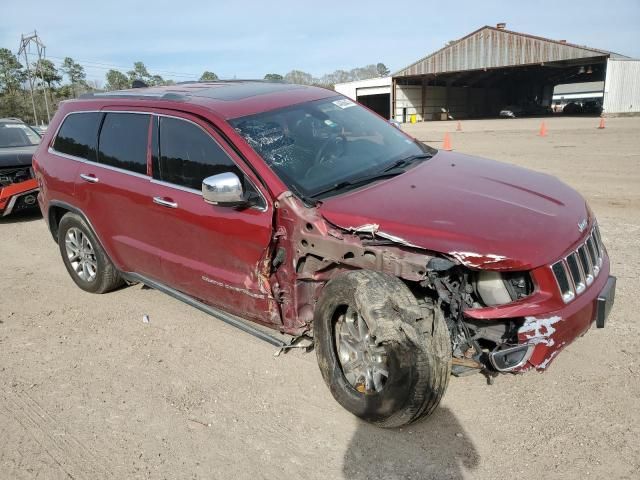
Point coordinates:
pixel 291 207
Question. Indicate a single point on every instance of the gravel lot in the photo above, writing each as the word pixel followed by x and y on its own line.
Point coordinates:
pixel 89 391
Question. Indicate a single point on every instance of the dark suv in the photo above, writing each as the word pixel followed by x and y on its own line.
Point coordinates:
pixel 294 208
pixel 18 188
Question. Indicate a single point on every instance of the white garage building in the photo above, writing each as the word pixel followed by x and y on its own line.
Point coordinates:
pixel 374 93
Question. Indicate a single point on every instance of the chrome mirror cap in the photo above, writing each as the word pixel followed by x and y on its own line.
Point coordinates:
pixel 224 189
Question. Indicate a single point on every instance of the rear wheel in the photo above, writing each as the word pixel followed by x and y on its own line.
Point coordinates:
pixel 84 257
pixel 385 359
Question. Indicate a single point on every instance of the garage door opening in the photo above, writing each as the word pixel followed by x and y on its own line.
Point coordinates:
pixel 524 90
pixel 379 103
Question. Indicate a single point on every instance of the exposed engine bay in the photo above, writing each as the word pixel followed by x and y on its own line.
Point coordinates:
pixel 457 289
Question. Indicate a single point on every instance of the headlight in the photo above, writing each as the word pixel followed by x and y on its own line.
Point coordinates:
pixel 496 288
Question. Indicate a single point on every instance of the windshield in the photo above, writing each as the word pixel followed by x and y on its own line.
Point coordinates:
pixel 315 146
pixel 17 135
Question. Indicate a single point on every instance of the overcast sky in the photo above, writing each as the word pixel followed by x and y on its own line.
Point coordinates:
pixel 247 39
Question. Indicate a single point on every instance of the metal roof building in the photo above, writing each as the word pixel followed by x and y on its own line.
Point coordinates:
pixel 496 47
pixel 492 67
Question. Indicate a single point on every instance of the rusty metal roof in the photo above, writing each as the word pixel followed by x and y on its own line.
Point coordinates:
pixel 490 47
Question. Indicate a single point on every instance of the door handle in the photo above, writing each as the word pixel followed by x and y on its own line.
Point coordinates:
pixel 165 202
pixel 89 177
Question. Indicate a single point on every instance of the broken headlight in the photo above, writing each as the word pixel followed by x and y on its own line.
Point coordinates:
pixel 498 288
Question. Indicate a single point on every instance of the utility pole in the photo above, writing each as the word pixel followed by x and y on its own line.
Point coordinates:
pixel 25 47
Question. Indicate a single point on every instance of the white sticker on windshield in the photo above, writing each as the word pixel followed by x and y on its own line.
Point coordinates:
pixel 344 103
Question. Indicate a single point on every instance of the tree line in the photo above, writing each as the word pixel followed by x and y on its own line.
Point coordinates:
pixel 69 80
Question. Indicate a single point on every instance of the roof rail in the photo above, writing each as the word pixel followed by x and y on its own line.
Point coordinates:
pixel 235 80
pixel 137 95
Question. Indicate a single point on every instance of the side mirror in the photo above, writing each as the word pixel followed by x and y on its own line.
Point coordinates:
pixel 395 123
pixel 224 189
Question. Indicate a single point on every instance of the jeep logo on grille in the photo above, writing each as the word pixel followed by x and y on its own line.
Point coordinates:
pixel 582 225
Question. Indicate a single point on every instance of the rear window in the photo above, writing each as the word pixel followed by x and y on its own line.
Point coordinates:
pixel 78 135
pixel 123 141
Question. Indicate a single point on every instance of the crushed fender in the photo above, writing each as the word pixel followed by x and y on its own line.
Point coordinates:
pixel 480 260
pixel 374 230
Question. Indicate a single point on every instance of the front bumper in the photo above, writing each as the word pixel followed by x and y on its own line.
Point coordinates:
pixel 548 324
pixel 604 302
pixel 551 333
pixel 18 196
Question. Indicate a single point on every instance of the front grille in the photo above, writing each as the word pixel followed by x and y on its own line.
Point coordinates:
pixel 579 269
pixel 11 175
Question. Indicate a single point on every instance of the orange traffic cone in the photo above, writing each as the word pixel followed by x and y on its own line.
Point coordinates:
pixel 446 144
pixel 543 129
pixel 459 127
pixel 601 126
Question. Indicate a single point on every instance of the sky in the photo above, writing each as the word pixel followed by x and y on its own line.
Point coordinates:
pixel 247 39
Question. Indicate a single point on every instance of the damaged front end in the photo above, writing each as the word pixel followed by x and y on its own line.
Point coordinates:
pixel 549 308
pixel 500 319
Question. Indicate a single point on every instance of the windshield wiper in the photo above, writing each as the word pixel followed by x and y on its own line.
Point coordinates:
pixel 388 172
pixel 355 183
pixel 406 161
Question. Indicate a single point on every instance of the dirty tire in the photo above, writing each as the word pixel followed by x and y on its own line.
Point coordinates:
pixel 107 277
pixel 416 342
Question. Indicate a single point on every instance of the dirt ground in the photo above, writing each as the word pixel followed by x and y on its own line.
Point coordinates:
pixel 89 391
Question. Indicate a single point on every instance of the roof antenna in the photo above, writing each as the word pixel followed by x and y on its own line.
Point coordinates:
pixel 138 84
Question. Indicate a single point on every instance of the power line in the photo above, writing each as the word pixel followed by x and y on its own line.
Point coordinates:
pixel 108 66
pixel 102 69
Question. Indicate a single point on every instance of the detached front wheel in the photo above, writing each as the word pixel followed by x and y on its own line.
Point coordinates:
pixel 385 358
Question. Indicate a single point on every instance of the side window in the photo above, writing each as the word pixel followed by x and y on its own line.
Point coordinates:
pixel 188 155
pixel 123 141
pixel 78 135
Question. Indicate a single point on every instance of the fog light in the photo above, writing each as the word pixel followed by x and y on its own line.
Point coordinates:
pixel 511 358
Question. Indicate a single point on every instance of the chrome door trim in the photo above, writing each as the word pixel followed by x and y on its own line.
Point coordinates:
pixel 96 164
pixel 53 151
pixel 165 203
pixel 89 178
pixel 176 187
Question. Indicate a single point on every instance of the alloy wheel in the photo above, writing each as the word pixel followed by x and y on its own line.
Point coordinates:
pixel 364 364
pixel 81 254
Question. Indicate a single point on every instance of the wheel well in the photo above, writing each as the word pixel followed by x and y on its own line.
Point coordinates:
pixel 55 215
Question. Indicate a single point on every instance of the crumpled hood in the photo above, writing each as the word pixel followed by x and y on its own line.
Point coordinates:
pixel 17 156
pixel 487 214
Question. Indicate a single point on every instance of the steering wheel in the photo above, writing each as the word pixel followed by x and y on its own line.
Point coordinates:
pixel 334 142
